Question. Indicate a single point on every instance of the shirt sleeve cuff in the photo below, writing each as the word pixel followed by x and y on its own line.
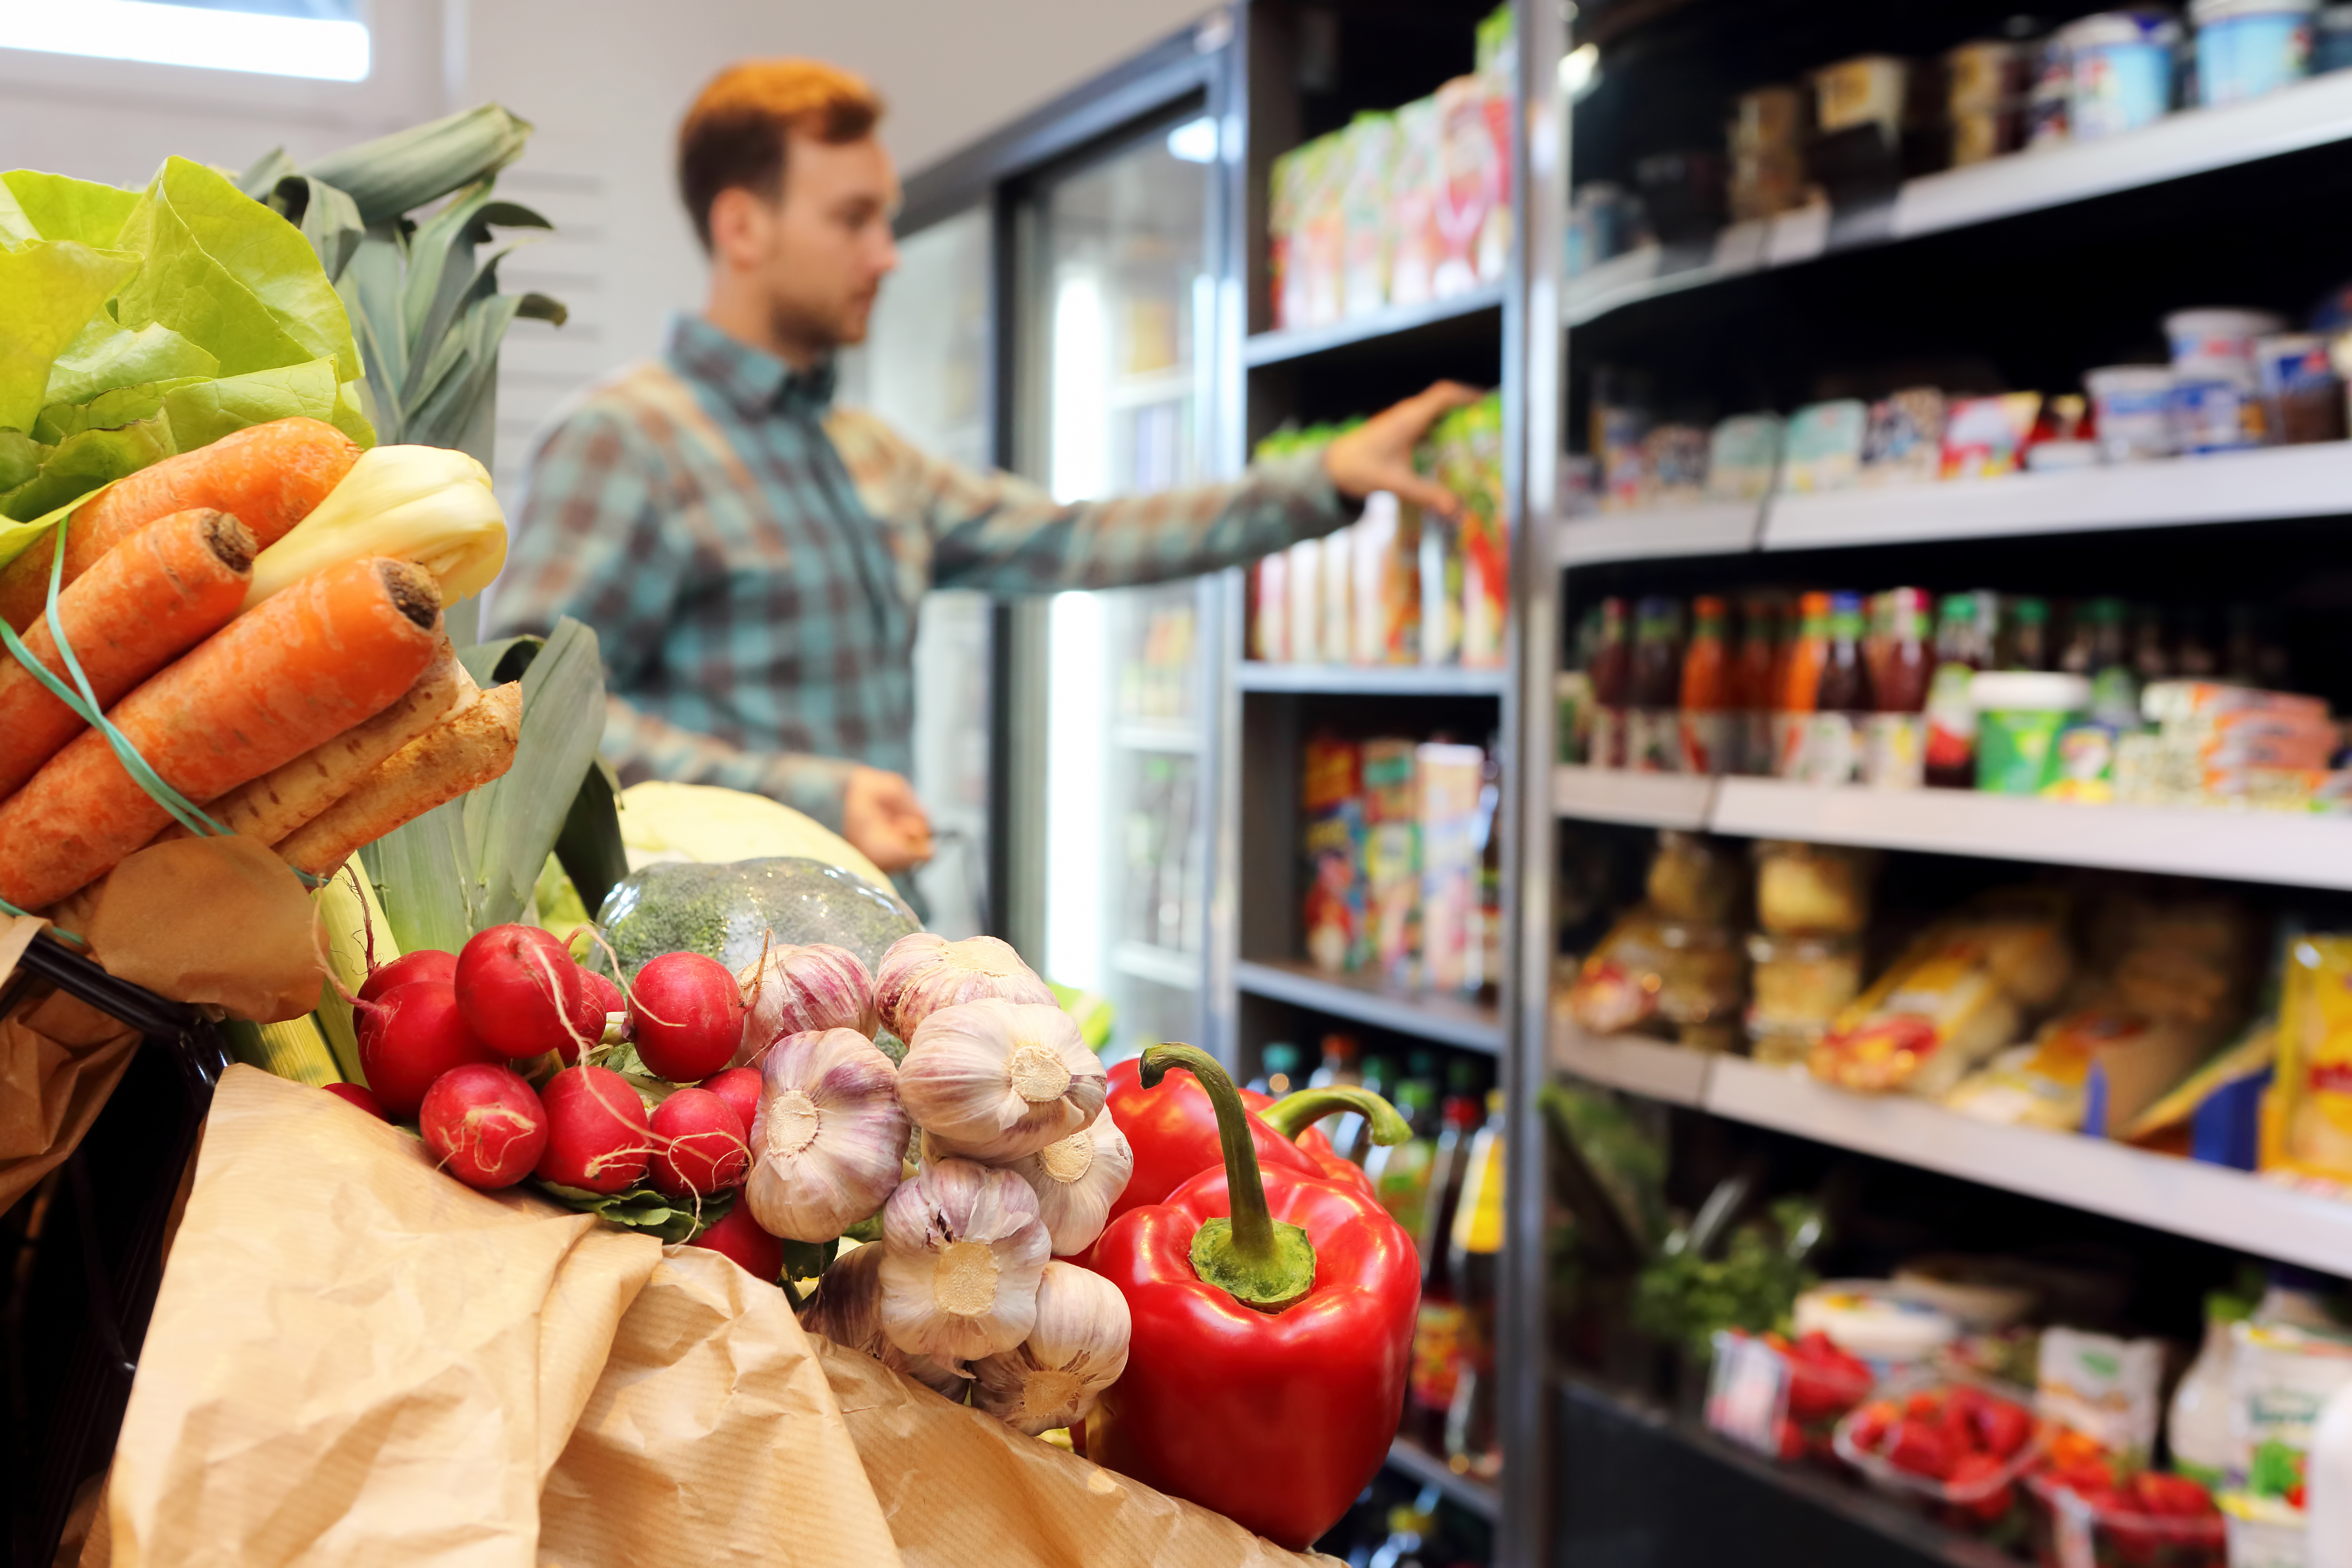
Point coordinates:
pixel 810 785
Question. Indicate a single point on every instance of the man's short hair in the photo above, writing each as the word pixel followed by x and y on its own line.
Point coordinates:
pixel 735 133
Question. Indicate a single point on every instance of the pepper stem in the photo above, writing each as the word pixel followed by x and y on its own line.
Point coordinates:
pixel 1293 1113
pixel 1254 1258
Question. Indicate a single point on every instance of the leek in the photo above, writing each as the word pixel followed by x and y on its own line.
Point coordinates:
pixel 424 504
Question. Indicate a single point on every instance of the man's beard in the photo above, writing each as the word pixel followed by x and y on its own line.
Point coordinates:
pixel 794 323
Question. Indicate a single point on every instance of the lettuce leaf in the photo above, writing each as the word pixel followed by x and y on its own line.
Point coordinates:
pixel 57 207
pixel 203 412
pixel 103 356
pixel 49 289
pixel 87 459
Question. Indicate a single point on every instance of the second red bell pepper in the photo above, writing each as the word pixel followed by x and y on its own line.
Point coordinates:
pixel 1273 1319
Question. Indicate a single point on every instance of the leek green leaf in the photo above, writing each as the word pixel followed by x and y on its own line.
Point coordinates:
pixel 408 169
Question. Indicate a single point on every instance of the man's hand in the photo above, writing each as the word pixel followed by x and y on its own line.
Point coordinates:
pixel 880 815
pixel 1377 454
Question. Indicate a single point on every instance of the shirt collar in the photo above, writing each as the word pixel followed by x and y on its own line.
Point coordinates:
pixel 755 381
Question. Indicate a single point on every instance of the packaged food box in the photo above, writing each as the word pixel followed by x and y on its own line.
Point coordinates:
pixel 1392 856
pixel 1673 465
pixel 2118 1527
pixel 2308 1114
pixel 1450 780
pixel 1903 442
pixel 1956 1447
pixel 1386 596
pixel 1413 195
pixel 1368 149
pixel 1743 454
pixel 2110 1390
pixel 1337 929
pixel 1824 446
pixel 1983 437
pixel 1474 189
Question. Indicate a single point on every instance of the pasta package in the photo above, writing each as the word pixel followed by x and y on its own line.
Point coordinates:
pixel 2307 1115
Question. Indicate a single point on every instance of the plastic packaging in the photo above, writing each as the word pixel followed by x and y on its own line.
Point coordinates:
pixel 1693 877
pixel 2019 714
pixel 2110 1390
pixel 1892 1330
pixel 1983 437
pixel 1811 890
pixel 1797 984
pixel 2307 1115
pixel 2120 71
pixel 2249 47
pixel 1979 1493
pixel 2070 1530
pixel 2133 403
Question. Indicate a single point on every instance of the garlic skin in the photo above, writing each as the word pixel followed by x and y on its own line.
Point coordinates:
pixel 925 971
pixel 1077 1349
pixel 793 990
pixel 962 1249
pixel 828 1137
pixel 1077 1179
pixel 847 1309
pixel 1001 1080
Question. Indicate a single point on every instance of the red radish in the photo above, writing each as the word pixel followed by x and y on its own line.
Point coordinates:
pixel 608 995
pixel 425 963
pixel 705 1152
pixel 358 1095
pixel 686 1015
pixel 484 1124
pixel 738 1237
pixel 413 1035
pixel 598 1137
pixel 739 1087
pixel 523 997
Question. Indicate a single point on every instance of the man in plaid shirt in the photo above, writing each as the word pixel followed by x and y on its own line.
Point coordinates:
pixel 751 556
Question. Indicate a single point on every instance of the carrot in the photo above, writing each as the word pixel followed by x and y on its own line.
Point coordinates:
pixel 283 799
pixel 162 591
pixel 439 766
pixel 314 661
pixel 267 475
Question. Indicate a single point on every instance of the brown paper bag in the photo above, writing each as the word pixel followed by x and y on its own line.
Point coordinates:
pixel 59 1061
pixel 353 1358
pixel 960 1487
pixel 217 920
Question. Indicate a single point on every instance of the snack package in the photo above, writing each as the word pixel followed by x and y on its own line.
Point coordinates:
pixel 1464 453
pixel 1693 877
pixel 2306 1118
pixel 1392 858
pixel 1983 437
pixel 1902 441
pixel 1619 431
pixel 1743 455
pixel 2214 1114
pixel 1449 778
pixel 1415 189
pixel 1315 262
pixel 1285 283
pixel 1473 212
pixel 1367 154
pixel 1338 934
pixel 1824 446
pixel 2108 1389
pixel 1683 975
pixel 1385 551
pixel 1958 995
pixel 1812 890
pixel 1673 465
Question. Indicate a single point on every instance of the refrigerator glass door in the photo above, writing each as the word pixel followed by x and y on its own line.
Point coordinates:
pixel 1119 304
pixel 925 369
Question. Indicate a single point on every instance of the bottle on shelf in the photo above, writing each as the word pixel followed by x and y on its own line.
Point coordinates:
pixel 1352 1134
pixel 1277 1070
pixel 2027 635
pixel 1895 745
pixel 1400 1171
pixel 2197 1425
pixel 1474 1257
pixel 1611 671
pixel 2151 660
pixel 1338 1066
pixel 2114 687
pixel 1799 688
pixel 1572 692
pixel 1410 1525
pixel 1709 724
pixel 1762 625
pixel 1963 647
pixel 1654 745
pixel 2194 657
pixel 1437 1331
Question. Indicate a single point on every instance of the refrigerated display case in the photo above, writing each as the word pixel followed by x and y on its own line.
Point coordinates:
pixel 1115 318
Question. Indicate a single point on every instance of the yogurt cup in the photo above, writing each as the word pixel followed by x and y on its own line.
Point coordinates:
pixel 2249 47
pixel 2133 409
pixel 2019 715
pixel 2121 71
pixel 2219 333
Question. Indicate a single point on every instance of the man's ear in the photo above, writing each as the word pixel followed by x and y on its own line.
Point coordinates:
pixel 740 225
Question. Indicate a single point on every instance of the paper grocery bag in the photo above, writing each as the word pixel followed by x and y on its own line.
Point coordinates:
pixel 712 1438
pixel 59 1061
pixel 353 1358
pixel 961 1489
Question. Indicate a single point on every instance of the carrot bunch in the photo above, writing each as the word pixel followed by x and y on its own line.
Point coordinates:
pixel 317 721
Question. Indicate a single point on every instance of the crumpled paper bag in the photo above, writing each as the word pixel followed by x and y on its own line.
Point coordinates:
pixel 357 1360
pixel 218 920
pixel 59 1061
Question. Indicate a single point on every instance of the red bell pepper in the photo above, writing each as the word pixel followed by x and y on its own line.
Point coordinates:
pixel 1172 1129
pixel 1273 1325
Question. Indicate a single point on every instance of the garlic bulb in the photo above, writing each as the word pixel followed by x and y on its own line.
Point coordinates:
pixel 847 1309
pixel 924 973
pixel 1076 1181
pixel 828 1137
pixel 795 989
pixel 1001 1080
pixel 1077 1349
pixel 963 1248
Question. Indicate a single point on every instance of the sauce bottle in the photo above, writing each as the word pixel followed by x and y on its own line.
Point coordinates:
pixel 2115 689
pixel 1655 746
pixel 1707 721
pixel 2029 634
pixel 1611 666
pixel 1895 753
pixel 1800 686
pixel 1753 693
pixel 1963 647
pixel 2150 661
pixel 1834 751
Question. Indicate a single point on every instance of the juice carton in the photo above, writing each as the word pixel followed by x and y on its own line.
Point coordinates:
pixel 1315 263
pixel 1392 856
pixel 1338 555
pixel 1386 547
pixel 1464 454
pixel 1367 154
pixel 1451 782
pixel 1413 194
pixel 1473 197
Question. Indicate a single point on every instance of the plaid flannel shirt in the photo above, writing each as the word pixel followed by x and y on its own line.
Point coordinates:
pixel 752 557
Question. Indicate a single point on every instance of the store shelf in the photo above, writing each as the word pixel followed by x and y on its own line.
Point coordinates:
pixel 1711 527
pixel 1172 384
pixel 1155 735
pixel 1410 1459
pixel 2229 1208
pixel 1644 800
pixel 1447 1020
pixel 2238 487
pixel 2292 849
pixel 1372 679
pixel 2312 113
pixel 1160 965
pixel 1396 321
